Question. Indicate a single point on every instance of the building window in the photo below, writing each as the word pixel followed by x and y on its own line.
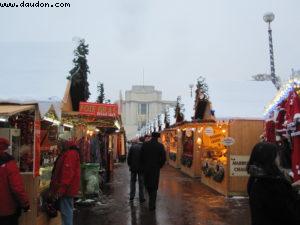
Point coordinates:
pixel 141 124
pixel 143 109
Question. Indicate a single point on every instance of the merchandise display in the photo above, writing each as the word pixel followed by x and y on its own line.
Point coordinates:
pixel 283 125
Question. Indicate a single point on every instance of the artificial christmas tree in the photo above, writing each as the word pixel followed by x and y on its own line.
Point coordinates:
pixel 100 89
pixel 79 89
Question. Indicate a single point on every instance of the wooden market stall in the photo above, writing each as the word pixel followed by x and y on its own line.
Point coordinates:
pixel 219 151
pixel 92 125
pixel 215 150
pixel 21 124
pixel 226 148
pixel 117 144
pixel 170 140
pixel 283 126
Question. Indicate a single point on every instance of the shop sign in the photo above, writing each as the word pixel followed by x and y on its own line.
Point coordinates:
pixel 216 138
pixel 228 141
pixel 96 109
pixel 238 165
pixel 209 131
pixel 37 148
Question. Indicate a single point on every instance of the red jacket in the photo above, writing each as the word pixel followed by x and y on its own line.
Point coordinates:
pixel 12 192
pixel 66 174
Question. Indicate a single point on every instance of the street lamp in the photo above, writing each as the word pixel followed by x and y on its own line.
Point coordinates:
pixel 268 18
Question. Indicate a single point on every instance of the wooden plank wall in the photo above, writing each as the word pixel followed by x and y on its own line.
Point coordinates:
pixel 246 134
pixel 31 187
pixel 222 187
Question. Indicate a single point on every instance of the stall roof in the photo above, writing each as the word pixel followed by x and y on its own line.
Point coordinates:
pixel 282 94
pixel 44 106
pixel 9 110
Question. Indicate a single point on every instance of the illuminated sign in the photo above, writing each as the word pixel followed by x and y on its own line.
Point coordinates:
pixel 100 110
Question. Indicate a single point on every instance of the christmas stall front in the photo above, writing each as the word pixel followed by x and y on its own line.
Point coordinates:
pixel 94 127
pixel 21 124
pixel 170 140
pixel 91 124
pixel 216 150
pixel 225 150
pixel 189 151
pixel 50 128
pixel 219 151
pixel 117 141
pixel 221 147
pixel 283 125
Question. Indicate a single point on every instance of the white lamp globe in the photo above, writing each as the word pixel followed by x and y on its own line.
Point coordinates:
pixel 269 17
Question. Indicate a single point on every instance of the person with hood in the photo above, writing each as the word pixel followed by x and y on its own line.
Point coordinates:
pixel 153 157
pixel 273 201
pixel 134 163
pixel 13 197
pixel 65 180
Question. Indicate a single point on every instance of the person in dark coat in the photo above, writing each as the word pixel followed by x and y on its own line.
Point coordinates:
pixel 13 197
pixel 134 163
pixel 153 157
pixel 273 201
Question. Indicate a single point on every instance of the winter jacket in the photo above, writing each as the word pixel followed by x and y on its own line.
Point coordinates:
pixel 153 157
pixel 65 179
pixel 272 200
pixel 134 158
pixel 12 192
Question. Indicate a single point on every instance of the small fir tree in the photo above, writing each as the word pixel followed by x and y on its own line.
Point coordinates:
pixel 201 98
pixel 167 118
pixel 178 111
pixel 79 75
pixel 100 89
pixel 159 122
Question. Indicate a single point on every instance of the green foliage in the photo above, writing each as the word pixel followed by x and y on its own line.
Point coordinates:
pixel 79 75
pixel 167 118
pixel 202 88
pixel 100 90
pixel 201 98
pixel 178 111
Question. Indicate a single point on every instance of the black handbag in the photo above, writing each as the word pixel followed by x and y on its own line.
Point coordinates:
pixel 50 204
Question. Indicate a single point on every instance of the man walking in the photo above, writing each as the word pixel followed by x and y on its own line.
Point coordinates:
pixel 13 197
pixel 65 181
pixel 153 157
pixel 134 163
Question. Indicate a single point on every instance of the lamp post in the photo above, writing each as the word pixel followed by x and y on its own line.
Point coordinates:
pixel 268 18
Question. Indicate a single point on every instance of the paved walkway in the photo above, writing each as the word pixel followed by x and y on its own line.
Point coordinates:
pixel 181 201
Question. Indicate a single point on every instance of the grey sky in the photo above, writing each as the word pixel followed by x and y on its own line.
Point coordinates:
pixel 175 41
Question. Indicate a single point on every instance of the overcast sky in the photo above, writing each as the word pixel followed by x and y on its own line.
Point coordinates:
pixel 175 41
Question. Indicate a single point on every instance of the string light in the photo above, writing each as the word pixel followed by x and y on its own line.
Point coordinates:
pixel 3 119
pixel 281 95
pixel 68 125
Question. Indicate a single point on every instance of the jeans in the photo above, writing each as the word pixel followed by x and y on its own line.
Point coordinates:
pixel 134 175
pixel 66 209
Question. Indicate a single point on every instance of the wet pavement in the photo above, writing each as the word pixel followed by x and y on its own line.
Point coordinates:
pixel 181 201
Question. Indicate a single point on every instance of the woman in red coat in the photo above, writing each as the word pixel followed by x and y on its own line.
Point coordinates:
pixel 65 181
pixel 13 197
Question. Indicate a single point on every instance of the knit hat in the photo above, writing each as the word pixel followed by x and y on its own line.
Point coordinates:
pixel 4 144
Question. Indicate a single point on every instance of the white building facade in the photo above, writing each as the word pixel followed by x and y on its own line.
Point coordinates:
pixel 141 104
